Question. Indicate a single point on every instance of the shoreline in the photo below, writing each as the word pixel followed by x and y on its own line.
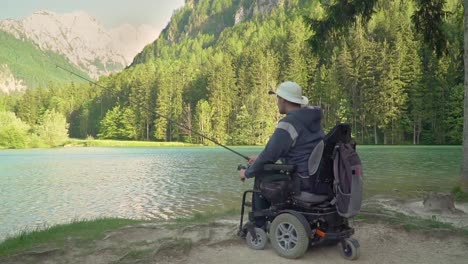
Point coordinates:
pixel 78 143
pixel 123 143
pixel 91 231
pixel 205 238
pixel 73 142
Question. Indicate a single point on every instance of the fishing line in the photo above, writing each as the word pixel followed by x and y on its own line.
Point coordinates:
pixel 163 116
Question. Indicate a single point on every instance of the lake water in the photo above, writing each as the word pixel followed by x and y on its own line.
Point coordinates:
pixel 45 187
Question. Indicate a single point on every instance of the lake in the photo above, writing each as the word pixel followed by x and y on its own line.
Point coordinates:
pixel 42 187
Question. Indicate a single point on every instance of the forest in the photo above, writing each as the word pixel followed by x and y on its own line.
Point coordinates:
pixel 213 64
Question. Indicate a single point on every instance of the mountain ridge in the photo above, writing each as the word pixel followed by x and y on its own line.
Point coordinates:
pixel 80 38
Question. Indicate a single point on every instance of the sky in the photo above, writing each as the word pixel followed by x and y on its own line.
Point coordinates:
pixel 111 13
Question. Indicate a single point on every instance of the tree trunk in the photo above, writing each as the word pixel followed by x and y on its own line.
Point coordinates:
pixel 392 133
pixel 419 130
pixel 147 130
pixel 414 132
pixel 376 140
pixel 464 176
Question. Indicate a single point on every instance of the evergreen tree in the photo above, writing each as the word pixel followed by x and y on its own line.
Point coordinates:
pixel 203 121
pixel 221 87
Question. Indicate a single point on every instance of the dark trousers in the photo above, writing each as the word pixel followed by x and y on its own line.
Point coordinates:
pixel 259 203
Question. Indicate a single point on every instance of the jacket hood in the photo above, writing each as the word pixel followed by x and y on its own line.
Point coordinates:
pixel 309 116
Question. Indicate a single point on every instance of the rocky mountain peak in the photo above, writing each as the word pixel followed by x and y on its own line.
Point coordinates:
pixel 82 39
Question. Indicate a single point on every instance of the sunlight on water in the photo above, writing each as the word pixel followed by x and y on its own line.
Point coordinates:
pixel 45 187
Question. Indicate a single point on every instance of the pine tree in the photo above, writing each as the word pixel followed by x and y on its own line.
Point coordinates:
pixel 221 88
pixel 297 52
pixel 203 121
pixel 162 103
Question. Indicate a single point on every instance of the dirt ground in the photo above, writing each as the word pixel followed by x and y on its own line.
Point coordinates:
pixel 217 243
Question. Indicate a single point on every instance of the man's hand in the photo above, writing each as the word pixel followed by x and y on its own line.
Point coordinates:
pixel 242 174
pixel 252 159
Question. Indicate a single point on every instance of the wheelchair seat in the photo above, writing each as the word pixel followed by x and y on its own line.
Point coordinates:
pixel 312 198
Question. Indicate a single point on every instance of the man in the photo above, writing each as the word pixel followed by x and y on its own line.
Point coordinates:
pixel 293 140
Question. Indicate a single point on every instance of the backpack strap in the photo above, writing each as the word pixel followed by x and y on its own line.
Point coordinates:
pixel 336 160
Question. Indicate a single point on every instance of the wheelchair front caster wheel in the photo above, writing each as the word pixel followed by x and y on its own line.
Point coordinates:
pixel 260 242
pixel 350 249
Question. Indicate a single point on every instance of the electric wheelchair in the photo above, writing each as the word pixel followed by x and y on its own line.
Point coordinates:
pixel 295 219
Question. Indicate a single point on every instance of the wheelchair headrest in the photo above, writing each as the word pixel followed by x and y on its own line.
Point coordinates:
pixel 340 133
pixel 315 157
pixel 321 156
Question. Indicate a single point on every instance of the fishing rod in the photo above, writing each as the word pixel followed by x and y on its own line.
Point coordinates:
pixel 163 116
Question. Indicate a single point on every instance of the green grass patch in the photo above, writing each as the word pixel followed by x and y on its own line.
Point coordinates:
pixel 409 223
pixel 202 218
pixel 84 230
pixel 89 230
pixel 123 143
pixel 459 194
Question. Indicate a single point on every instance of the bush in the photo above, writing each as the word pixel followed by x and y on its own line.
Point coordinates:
pixel 459 194
pixel 53 128
pixel 36 142
pixel 118 124
pixel 13 131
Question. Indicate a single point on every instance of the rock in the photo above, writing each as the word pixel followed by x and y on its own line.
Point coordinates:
pixel 439 202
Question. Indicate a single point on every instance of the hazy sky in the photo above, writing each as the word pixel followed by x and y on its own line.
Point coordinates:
pixel 109 12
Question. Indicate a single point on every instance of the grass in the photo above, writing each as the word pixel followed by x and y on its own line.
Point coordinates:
pixel 89 230
pixel 84 230
pixel 459 194
pixel 122 143
pixel 112 143
pixel 409 223
pixel 202 218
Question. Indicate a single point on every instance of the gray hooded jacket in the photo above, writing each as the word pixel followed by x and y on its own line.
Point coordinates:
pixel 295 136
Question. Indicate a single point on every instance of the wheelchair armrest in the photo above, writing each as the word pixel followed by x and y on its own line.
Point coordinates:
pixel 279 167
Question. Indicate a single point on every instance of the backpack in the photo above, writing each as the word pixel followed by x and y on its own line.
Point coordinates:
pixel 347 184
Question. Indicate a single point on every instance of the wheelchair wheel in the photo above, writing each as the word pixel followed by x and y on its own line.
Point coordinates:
pixel 288 236
pixel 350 249
pixel 260 242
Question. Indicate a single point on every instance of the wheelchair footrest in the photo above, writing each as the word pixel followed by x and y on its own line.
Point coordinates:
pixel 263 213
pixel 335 236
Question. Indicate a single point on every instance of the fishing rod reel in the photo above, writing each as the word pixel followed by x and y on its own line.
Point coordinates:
pixel 242 167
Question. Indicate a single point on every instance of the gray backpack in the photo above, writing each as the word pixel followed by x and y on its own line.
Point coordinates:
pixel 348 184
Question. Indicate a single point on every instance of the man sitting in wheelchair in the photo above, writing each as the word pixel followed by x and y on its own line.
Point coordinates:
pixel 296 202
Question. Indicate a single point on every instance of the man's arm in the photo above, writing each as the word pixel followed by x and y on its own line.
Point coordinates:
pixel 278 146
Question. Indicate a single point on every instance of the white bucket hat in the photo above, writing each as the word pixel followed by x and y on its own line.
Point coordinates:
pixel 292 92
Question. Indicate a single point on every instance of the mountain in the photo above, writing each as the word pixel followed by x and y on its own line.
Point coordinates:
pixel 78 37
pixel 204 17
pixel 23 64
